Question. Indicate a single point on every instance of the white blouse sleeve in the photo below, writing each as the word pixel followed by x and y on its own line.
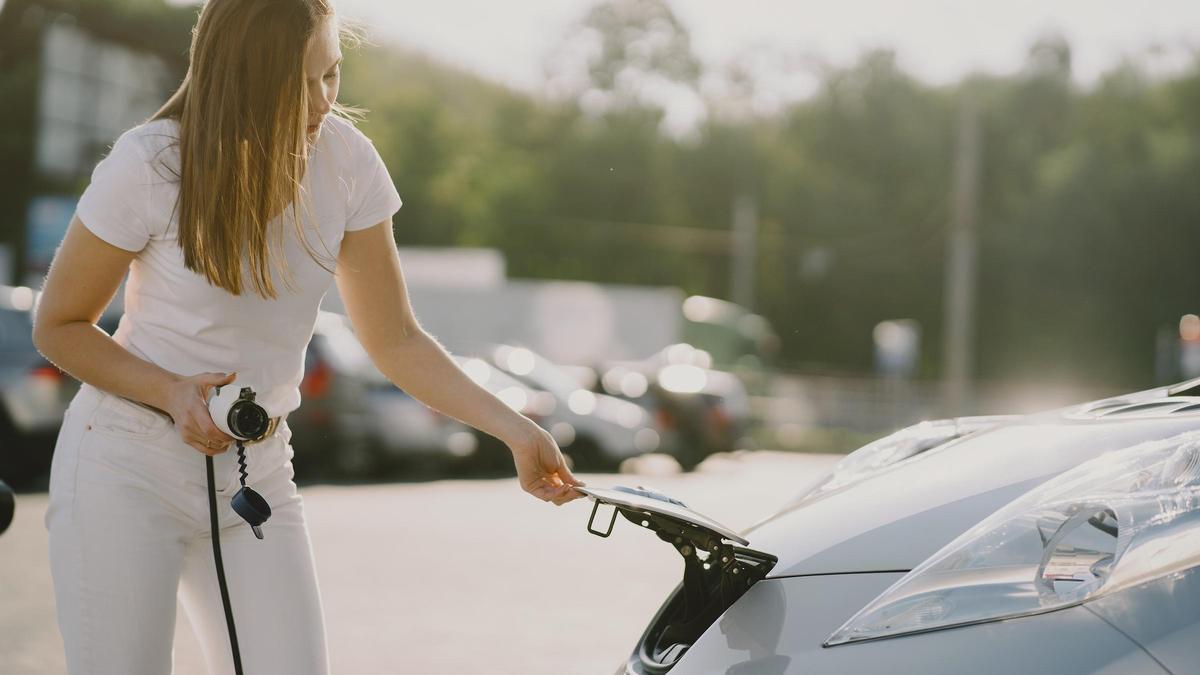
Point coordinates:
pixel 373 197
pixel 113 204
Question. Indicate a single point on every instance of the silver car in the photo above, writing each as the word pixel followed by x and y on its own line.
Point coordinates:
pixel 354 421
pixel 1062 542
pixel 33 393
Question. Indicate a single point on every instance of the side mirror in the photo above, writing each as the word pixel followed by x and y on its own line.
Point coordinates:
pixel 7 505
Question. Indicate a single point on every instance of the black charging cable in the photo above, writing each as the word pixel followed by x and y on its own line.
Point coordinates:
pixel 245 420
pixel 216 542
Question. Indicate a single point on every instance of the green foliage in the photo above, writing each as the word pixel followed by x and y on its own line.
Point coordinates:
pixel 1088 207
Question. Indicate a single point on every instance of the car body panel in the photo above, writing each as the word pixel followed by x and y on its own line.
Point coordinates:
pixel 840 550
pixel 778 626
pixel 1163 616
pixel 898 518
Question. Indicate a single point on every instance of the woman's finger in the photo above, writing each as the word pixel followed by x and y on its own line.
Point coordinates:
pixel 545 493
pixel 202 448
pixel 569 494
pixel 205 445
pixel 564 497
pixel 215 379
pixel 557 495
pixel 209 439
pixel 209 429
pixel 566 475
pixel 207 426
pixel 565 471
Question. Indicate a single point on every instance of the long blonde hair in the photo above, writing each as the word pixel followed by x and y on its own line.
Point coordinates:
pixel 242 111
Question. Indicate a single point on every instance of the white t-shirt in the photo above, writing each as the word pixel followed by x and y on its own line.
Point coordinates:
pixel 173 317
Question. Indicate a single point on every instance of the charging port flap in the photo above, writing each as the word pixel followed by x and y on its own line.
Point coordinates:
pixel 653 509
pixel 717 568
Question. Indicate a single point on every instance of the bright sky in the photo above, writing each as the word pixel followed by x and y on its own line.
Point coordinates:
pixel 938 40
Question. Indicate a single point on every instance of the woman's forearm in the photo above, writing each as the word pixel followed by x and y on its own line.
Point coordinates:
pixel 87 353
pixel 422 368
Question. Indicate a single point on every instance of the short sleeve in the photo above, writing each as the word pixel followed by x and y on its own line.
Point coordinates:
pixel 373 197
pixel 113 204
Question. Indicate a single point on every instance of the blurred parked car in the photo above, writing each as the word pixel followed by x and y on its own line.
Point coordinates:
pixel 597 431
pixel 33 393
pixel 353 421
pixel 492 455
pixel 699 411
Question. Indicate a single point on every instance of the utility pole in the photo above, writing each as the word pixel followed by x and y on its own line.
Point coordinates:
pixel 961 257
pixel 745 243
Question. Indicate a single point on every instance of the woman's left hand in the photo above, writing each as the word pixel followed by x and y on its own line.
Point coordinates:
pixel 541 468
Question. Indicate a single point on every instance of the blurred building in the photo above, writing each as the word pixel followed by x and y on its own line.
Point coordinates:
pixel 464 297
pixel 74 74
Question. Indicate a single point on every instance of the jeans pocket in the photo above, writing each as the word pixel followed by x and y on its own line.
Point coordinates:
pixel 121 418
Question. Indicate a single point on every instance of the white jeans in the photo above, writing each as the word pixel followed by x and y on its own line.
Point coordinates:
pixel 129 532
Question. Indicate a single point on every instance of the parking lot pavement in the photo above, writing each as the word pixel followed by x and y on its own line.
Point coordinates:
pixel 454 576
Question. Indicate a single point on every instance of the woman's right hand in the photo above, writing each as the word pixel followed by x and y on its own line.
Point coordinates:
pixel 187 404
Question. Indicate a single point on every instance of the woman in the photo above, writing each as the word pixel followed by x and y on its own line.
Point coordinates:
pixel 232 209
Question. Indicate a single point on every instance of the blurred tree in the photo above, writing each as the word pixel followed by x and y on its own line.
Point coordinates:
pixel 1088 205
pixel 1098 249
pixel 625 54
pixel 859 173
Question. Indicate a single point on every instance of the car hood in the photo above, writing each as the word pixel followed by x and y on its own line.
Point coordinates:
pixel 899 517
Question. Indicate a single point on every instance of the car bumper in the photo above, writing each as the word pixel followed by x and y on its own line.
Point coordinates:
pixel 779 625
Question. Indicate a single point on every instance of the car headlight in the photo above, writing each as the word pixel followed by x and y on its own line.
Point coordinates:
pixel 1121 519
pixel 890 450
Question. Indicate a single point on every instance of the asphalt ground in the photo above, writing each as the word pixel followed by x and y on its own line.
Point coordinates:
pixel 453 576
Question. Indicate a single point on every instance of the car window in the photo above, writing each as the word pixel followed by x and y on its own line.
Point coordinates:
pixel 535 371
pixel 16 331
